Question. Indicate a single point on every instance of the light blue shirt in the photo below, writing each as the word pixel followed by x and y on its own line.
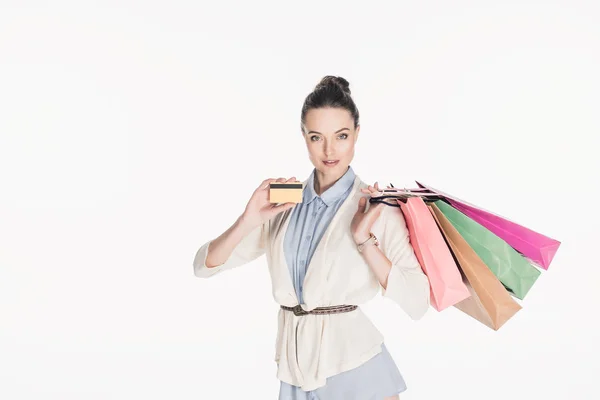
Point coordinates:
pixel 308 222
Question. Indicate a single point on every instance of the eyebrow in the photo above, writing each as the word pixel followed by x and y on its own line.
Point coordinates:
pixel 321 133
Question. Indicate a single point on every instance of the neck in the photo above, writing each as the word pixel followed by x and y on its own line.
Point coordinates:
pixel 325 181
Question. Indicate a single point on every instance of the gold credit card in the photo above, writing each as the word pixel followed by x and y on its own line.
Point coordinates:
pixel 290 192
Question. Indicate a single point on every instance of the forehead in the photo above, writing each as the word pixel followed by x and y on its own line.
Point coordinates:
pixel 328 120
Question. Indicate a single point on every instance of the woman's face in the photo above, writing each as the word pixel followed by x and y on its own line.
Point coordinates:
pixel 330 136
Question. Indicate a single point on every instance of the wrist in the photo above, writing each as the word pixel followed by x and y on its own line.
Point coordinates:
pixel 245 224
pixel 361 238
pixel 371 241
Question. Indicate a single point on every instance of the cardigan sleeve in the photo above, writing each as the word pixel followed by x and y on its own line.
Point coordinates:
pixel 251 247
pixel 407 284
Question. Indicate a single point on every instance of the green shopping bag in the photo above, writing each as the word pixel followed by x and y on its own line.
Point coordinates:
pixel 511 268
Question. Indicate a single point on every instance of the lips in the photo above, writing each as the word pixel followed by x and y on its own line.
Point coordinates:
pixel 331 163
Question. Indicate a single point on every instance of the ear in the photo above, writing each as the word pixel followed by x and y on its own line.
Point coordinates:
pixel 356 132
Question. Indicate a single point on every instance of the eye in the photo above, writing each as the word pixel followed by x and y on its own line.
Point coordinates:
pixel 345 136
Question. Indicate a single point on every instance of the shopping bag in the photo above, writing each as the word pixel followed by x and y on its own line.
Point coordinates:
pixel 510 267
pixel 538 248
pixel 490 302
pixel 445 280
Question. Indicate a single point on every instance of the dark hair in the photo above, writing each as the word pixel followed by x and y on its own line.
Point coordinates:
pixel 330 92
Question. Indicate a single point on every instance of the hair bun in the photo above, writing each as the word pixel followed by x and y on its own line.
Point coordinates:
pixel 337 81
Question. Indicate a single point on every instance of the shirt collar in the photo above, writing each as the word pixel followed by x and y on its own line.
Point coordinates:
pixel 332 194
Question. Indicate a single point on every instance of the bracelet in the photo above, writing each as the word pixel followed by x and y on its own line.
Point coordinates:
pixel 372 239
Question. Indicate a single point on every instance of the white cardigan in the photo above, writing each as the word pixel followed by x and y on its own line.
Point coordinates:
pixel 311 348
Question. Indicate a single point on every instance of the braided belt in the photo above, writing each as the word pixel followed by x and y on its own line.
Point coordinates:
pixel 298 311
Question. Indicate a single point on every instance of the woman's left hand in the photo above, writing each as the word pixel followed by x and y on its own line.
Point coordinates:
pixel 363 222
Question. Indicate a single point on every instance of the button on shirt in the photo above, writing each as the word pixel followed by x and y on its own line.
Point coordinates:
pixel 308 222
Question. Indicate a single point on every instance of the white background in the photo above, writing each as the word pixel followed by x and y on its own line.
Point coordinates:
pixel 133 131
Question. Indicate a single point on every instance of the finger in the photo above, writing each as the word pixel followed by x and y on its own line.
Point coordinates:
pixel 362 202
pixel 269 181
pixel 377 186
pixel 373 190
pixel 265 183
pixel 292 179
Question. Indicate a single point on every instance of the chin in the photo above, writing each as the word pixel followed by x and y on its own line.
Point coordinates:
pixel 329 169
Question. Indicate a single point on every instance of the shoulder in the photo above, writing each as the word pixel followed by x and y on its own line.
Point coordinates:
pixel 361 184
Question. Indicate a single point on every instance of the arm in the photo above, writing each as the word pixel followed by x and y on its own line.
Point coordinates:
pixel 396 265
pixel 238 245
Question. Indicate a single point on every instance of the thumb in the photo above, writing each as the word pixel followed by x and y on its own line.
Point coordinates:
pixel 361 205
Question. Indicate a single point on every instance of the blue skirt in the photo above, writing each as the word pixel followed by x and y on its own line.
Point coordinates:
pixel 374 380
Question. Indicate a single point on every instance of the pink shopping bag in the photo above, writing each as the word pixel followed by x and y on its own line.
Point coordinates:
pixel 538 248
pixel 432 251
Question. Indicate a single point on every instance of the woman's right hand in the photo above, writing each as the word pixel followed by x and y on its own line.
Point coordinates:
pixel 259 209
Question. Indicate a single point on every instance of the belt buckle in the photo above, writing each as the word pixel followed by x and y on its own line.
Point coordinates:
pixel 298 311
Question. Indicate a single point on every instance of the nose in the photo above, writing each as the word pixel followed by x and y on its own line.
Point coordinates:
pixel 328 148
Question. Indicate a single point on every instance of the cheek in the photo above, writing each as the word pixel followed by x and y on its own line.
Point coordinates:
pixel 313 151
pixel 347 149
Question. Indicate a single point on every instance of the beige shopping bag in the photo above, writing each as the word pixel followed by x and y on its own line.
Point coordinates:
pixel 490 302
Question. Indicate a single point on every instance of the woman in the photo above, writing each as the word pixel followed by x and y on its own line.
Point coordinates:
pixel 326 256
